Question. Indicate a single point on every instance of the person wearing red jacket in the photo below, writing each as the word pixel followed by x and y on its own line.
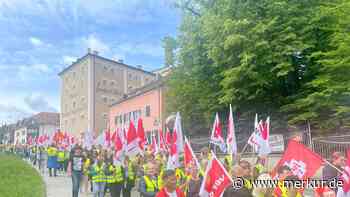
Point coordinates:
pixel 170 189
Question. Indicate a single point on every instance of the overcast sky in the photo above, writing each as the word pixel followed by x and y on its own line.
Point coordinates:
pixel 38 38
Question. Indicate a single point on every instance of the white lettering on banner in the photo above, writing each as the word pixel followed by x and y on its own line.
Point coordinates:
pixel 298 168
pixel 217 183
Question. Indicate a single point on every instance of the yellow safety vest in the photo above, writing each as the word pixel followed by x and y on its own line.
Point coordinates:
pixel 52 151
pixel 180 175
pixel 160 179
pixel 228 158
pixel 151 185
pixel 118 176
pixel 260 168
pixel 60 156
pixel 99 174
pixel 248 184
pixel 284 191
pixel 86 166
pixel 131 173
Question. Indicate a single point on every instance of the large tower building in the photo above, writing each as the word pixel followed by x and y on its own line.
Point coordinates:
pixel 90 85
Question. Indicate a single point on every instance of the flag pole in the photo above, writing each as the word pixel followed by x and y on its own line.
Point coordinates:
pixel 244 148
pixel 333 166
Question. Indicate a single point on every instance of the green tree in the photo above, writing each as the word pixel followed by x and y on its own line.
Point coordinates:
pixel 328 104
pixel 262 56
pixel 169 45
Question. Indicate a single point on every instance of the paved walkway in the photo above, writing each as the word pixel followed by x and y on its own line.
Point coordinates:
pixel 61 186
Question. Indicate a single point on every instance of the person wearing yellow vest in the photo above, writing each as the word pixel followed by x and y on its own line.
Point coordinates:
pixel 282 172
pixel 60 158
pixel 98 174
pixel 148 185
pixel 85 175
pixel 130 177
pixel 52 162
pixel 290 191
pixel 115 179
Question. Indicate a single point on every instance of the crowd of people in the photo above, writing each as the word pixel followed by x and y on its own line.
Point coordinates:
pixel 98 171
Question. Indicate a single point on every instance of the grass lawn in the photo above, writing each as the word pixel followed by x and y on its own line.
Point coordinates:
pixel 19 179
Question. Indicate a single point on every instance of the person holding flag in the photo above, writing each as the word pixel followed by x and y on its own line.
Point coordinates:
pixel 216 179
pixel 170 189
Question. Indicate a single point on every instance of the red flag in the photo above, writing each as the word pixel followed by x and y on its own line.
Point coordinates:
pixel 154 146
pixel 302 161
pixel 107 138
pixel 189 156
pixel 168 138
pixel 346 174
pixel 173 160
pixel 162 146
pixel 118 144
pixel 30 140
pixel 132 140
pixel 141 134
pixel 216 134
pixel 216 179
pixel 231 136
pixel 178 133
pixel 113 136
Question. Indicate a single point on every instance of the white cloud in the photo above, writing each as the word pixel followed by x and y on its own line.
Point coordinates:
pixel 67 60
pixel 93 42
pixel 36 41
pixel 38 103
pixel 11 114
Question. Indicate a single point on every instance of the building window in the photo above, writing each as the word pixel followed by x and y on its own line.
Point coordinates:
pixel 74 104
pixel 74 74
pixel 105 116
pixel 105 67
pixel 112 100
pixel 148 111
pixel 82 116
pixel 130 75
pixel 104 82
pixel 112 83
pixel 112 70
pixel 82 99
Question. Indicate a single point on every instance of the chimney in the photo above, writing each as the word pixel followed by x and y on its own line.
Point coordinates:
pixel 121 61
pixel 89 50
pixel 95 52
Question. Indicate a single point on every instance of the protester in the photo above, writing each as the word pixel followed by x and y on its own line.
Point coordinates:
pixel 148 186
pixel 194 182
pixel 52 163
pixel 263 191
pixel 98 173
pixel 170 189
pixel 237 173
pixel 85 174
pixel 75 168
pixel 129 176
pixel 116 180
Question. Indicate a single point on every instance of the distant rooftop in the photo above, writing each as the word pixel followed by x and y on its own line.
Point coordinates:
pixel 95 54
